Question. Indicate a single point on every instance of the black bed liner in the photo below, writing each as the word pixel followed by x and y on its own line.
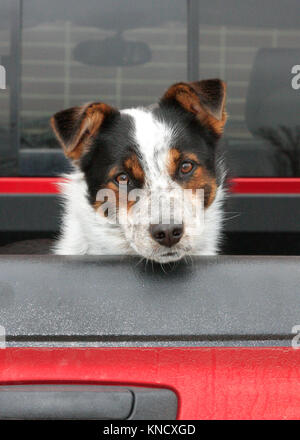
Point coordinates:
pixel 120 301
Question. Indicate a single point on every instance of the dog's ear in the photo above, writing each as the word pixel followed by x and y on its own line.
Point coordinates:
pixel 76 127
pixel 205 99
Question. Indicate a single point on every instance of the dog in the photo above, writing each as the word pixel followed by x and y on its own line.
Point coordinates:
pixel 167 147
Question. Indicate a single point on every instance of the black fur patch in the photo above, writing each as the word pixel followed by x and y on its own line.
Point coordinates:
pixel 113 144
pixel 190 136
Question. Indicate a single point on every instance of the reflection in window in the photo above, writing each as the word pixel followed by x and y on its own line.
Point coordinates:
pixel 7 156
pixel 253 46
pixel 122 52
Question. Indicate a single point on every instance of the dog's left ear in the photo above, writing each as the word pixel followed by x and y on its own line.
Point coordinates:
pixel 205 99
pixel 75 127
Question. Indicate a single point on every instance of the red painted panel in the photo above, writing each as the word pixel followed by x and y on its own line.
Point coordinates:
pixel 239 185
pixel 29 185
pixel 211 383
pixel 265 185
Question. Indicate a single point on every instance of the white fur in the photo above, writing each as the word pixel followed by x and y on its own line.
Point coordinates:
pixel 84 231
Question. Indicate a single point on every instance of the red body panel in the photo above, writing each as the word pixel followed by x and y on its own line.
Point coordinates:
pixel 29 185
pixel 211 383
pixel 265 185
pixel 239 185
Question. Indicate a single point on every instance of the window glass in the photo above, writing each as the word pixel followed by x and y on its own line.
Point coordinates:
pixel 122 52
pixel 7 150
pixel 126 52
pixel 254 46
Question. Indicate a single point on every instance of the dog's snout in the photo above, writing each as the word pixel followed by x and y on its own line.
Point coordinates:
pixel 166 235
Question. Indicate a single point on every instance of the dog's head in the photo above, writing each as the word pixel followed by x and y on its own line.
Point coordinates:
pixel 148 163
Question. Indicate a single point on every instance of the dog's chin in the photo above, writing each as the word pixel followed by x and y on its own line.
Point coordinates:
pixel 161 254
pixel 166 257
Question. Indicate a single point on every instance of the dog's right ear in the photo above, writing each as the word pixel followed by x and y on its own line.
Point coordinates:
pixel 76 127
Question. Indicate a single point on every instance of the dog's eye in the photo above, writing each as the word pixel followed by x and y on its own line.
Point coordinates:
pixel 186 167
pixel 122 179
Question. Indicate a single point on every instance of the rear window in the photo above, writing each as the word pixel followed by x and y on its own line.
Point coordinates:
pixel 63 53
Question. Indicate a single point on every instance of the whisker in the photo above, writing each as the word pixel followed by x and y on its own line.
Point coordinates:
pixel 139 262
pixel 162 267
pixel 232 217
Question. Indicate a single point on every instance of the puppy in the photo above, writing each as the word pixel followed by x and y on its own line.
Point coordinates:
pixel 164 151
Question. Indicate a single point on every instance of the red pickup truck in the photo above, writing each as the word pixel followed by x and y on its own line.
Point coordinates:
pixel 103 337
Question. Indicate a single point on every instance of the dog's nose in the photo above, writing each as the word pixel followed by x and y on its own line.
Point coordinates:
pixel 166 235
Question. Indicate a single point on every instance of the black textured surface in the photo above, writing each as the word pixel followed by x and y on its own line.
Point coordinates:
pixel 86 402
pixel 111 301
pixel 64 402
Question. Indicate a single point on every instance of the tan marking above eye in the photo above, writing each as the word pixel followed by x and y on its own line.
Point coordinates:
pixel 113 171
pixel 190 156
pixel 173 159
pixel 133 166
